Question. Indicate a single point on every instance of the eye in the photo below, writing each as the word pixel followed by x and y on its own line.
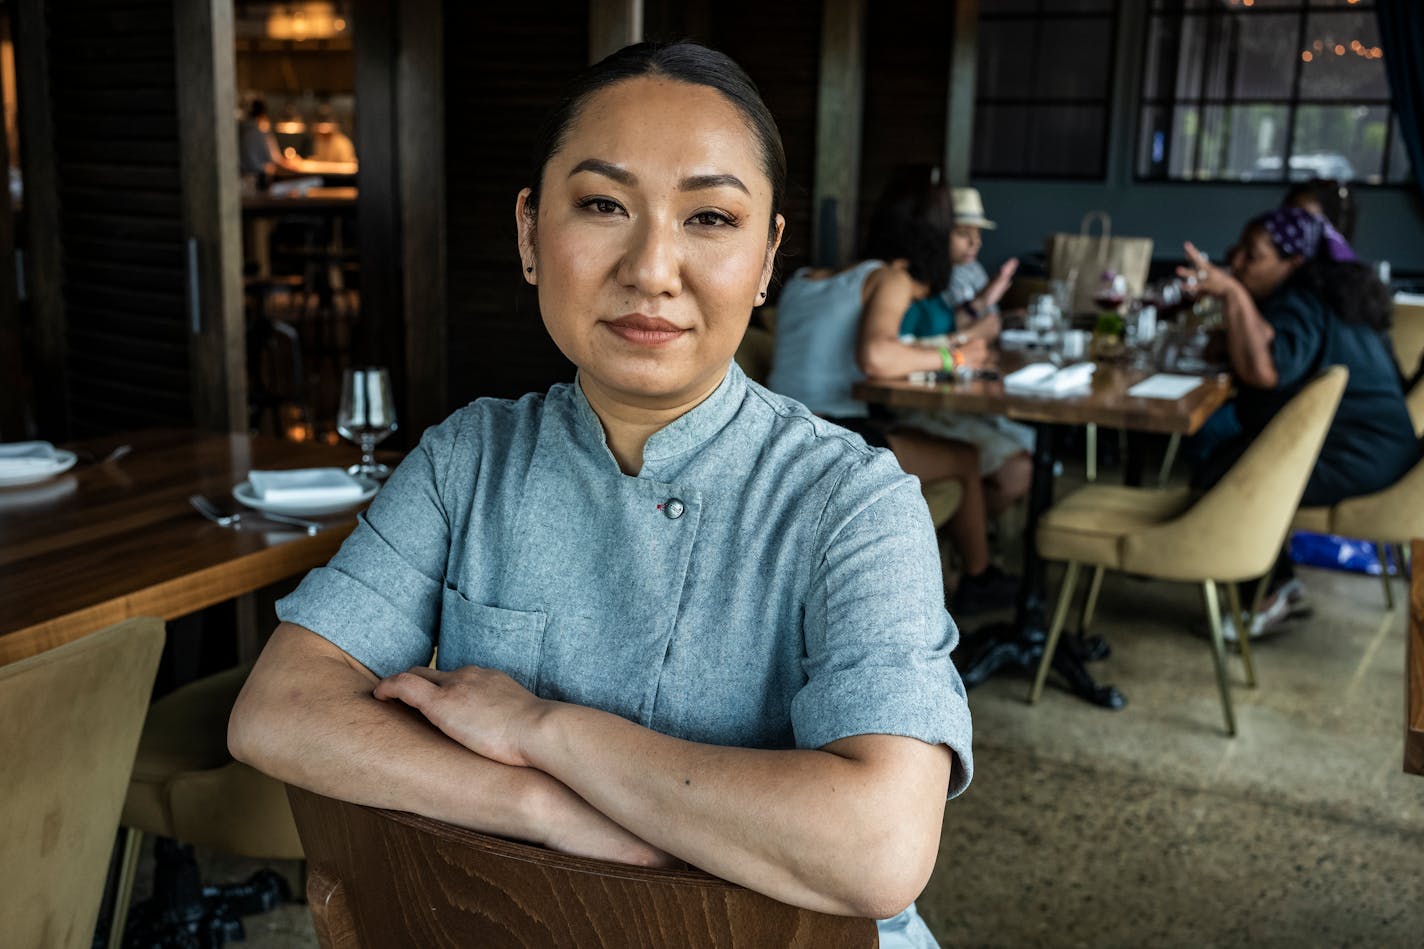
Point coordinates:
pixel 713 219
pixel 600 205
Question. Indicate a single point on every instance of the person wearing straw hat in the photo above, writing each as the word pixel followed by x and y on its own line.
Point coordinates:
pixel 968 309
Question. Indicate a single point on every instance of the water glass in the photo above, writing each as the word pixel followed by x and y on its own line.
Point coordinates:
pixel 366 416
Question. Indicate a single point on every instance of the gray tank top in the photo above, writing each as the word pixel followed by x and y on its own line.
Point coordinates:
pixel 817 329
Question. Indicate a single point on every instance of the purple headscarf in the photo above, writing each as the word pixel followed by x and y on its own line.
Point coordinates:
pixel 1300 233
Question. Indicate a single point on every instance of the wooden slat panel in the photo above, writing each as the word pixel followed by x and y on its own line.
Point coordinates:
pixel 505 69
pixel 906 92
pixel 113 90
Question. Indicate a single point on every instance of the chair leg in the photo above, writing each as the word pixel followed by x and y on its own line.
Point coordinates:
pixel 1218 653
pixel 123 890
pixel 1168 459
pixel 1090 605
pixel 1055 629
pixel 1243 623
pixel 1092 460
pixel 1384 575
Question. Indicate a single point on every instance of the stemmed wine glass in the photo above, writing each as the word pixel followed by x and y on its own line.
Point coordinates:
pixel 366 416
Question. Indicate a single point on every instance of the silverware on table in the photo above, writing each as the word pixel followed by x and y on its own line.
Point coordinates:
pixel 90 457
pixel 211 511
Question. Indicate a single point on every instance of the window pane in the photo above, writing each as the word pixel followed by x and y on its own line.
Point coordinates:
pixel 1345 142
pixel 1169 142
pixel 1262 58
pixel 1256 139
pixel 1343 63
pixel 1003 69
pixel 1176 47
pixel 1058 139
pixel 1399 171
pixel 1075 59
pixel 1153 139
pixel 1000 139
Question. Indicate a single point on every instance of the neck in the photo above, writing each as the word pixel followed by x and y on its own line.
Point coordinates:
pixel 628 424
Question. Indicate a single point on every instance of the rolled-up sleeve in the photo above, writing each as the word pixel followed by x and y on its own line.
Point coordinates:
pixel 379 597
pixel 878 639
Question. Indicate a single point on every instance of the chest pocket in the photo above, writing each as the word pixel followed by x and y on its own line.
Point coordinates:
pixel 473 634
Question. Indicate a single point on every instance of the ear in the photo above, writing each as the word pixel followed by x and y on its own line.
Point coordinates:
pixel 524 228
pixel 769 265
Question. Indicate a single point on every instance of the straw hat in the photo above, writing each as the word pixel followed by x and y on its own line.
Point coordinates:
pixel 969 208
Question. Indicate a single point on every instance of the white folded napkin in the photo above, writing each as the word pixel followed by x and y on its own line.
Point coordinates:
pixel 1042 378
pixel 314 485
pixel 24 457
pixel 1164 385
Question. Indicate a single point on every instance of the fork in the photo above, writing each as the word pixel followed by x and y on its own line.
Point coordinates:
pixel 206 508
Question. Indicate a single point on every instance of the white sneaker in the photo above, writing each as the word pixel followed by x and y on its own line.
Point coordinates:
pixel 1274 611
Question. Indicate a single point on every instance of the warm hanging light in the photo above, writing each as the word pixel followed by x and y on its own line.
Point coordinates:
pixel 313 20
pixel 1305 56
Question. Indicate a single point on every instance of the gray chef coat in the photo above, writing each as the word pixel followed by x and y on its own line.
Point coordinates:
pixel 766 581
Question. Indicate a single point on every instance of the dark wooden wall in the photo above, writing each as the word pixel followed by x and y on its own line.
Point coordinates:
pixel 779 45
pixel 115 160
pixel 907 47
pixel 504 70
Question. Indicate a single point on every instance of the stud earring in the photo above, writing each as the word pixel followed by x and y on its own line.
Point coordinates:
pixel 528 269
pixel 762 294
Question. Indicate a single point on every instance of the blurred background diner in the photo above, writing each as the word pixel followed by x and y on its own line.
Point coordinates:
pixel 242 237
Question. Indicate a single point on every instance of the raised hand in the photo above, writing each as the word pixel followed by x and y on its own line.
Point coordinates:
pixel 1210 279
pixel 1000 284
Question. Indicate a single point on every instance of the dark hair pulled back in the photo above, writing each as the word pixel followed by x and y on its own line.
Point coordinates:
pixel 1350 289
pixel 681 61
pixel 912 222
pixel 1334 198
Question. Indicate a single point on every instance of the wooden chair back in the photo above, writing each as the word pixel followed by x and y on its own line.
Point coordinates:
pixel 388 879
pixel 1406 334
pixel 72 717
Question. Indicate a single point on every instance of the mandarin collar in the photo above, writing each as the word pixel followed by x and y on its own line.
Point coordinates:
pixel 685 433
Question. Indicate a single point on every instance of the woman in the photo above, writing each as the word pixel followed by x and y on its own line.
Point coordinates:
pixel 1296 301
pixel 968 309
pixel 834 328
pixel 677 617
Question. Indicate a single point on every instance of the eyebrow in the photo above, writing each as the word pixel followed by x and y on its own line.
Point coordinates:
pixel 625 177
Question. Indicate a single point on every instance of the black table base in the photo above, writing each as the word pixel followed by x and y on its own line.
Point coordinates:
pixel 1018 645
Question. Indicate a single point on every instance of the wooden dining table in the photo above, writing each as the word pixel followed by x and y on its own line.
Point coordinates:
pixel 1019 643
pixel 107 541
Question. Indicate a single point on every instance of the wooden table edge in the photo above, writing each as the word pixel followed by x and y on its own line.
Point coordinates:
pixel 1414 671
pixel 178 596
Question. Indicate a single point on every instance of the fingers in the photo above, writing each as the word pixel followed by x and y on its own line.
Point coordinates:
pixel 412 688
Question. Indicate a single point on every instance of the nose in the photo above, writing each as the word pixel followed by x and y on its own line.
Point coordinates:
pixel 652 261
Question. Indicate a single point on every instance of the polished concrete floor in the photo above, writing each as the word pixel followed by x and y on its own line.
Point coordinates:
pixel 1148 826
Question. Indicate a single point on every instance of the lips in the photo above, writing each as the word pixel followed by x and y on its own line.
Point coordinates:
pixel 644 330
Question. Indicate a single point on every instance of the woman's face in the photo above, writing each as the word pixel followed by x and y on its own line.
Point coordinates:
pixel 1258 265
pixel 651 243
pixel 964 243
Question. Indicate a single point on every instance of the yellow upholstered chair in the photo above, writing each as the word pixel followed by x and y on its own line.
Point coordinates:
pixel 1414 399
pixel 187 787
pixel 1392 517
pixel 943 498
pixel 72 718
pixel 1406 334
pixel 1231 533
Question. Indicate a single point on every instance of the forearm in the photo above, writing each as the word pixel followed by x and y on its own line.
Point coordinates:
pixel 885 358
pixel 307 717
pixel 985 327
pixel 809 827
pixel 1248 339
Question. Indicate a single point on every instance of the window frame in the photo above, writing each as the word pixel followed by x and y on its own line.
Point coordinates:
pixel 1301 11
pixel 1113 14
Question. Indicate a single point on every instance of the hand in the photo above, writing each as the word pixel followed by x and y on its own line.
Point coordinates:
pixel 1210 279
pixel 1000 284
pixel 482 709
pixel 569 824
pixel 973 353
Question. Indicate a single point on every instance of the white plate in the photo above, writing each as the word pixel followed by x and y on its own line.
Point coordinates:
pixel 63 461
pixel 244 493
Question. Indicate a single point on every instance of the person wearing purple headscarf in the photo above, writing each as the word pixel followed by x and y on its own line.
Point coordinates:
pixel 1295 301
